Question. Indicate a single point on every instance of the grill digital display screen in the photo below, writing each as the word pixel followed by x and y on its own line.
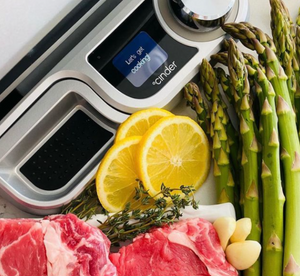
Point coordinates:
pixel 140 59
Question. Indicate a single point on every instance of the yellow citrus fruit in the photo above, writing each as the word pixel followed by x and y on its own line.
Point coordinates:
pixel 139 122
pixel 174 151
pixel 116 178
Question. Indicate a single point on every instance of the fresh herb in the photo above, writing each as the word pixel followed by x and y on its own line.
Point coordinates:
pixel 139 215
pixel 146 212
pixel 86 204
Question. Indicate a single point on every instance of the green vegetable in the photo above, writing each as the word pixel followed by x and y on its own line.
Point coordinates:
pixel 225 82
pixel 224 138
pixel 250 145
pixel 297 70
pixel 221 57
pixel 144 213
pixel 233 135
pixel 194 99
pixel 86 204
pixel 281 26
pixel 297 36
pixel 223 176
pixel 272 251
pixel 147 212
pixel 289 139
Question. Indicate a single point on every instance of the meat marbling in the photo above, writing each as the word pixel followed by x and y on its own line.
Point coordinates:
pixel 189 247
pixel 60 245
pixel 63 245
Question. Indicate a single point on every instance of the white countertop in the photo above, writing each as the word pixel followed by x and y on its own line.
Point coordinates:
pixel 30 19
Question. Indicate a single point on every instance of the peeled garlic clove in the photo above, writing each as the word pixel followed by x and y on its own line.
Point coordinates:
pixel 243 255
pixel 225 227
pixel 242 230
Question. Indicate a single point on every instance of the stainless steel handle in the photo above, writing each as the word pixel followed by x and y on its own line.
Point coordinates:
pixel 201 15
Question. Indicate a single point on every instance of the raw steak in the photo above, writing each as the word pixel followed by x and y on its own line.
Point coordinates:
pixel 189 247
pixel 22 251
pixel 61 245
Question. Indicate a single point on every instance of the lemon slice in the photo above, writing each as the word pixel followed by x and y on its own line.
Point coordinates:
pixel 116 178
pixel 174 151
pixel 139 122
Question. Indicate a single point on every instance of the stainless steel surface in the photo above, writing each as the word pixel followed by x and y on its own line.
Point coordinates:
pixel 24 23
pixel 34 129
pixel 63 70
pixel 22 82
pixel 40 113
pixel 238 13
pixel 75 63
pixel 207 10
pixel 111 113
pixel 201 15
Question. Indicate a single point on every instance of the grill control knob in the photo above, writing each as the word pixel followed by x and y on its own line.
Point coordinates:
pixel 201 15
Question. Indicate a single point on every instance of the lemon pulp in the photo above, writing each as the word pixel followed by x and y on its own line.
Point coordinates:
pixel 139 122
pixel 175 152
pixel 116 178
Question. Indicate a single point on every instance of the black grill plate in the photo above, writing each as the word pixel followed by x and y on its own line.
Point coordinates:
pixel 66 152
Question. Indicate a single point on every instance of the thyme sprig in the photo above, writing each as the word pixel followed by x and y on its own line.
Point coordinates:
pixel 146 212
pixel 139 215
pixel 86 204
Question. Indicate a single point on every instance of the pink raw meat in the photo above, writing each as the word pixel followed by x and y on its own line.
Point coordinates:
pixel 22 251
pixel 60 245
pixel 189 247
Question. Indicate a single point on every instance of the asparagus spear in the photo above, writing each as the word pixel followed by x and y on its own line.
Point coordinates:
pixel 253 62
pixel 264 38
pixel 194 99
pixel 239 78
pixel 286 12
pixel 283 38
pixel 297 71
pixel 298 18
pixel 289 143
pixel 222 57
pixel 233 135
pixel 209 82
pixel 235 149
pixel 281 30
pixel 272 252
pixel 197 103
pixel 219 126
pixel 223 175
pixel 297 37
pixel 226 84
